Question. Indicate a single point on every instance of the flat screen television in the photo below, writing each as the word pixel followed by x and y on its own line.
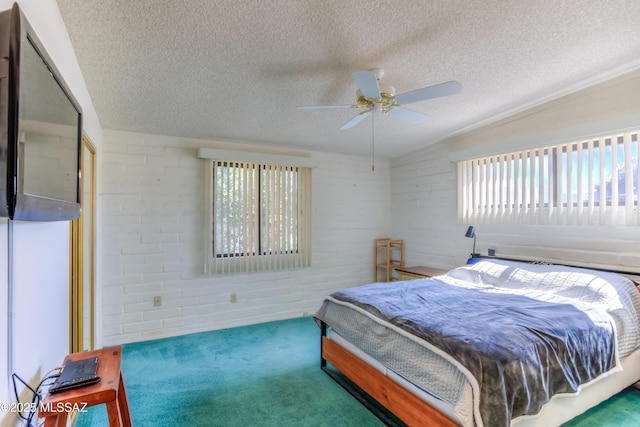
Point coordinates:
pixel 40 129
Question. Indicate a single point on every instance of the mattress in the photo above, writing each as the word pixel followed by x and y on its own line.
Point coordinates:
pixel 403 355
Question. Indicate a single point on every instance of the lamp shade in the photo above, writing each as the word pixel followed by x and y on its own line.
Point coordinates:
pixel 471 232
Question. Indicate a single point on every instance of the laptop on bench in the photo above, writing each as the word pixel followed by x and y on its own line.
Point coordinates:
pixel 76 373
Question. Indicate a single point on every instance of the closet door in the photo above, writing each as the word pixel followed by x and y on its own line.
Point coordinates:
pixel 82 295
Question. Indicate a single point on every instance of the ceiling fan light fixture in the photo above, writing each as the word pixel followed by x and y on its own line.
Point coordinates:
pixel 386 100
pixel 387 91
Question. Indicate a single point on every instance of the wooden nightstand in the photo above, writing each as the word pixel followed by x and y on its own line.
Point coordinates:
pixel 419 272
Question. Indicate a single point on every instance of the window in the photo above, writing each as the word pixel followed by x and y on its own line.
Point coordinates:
pixel 260 216
pixel 586 182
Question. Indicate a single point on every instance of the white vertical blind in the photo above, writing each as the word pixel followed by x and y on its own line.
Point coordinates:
pixel 591 182
pixel 587 182
pixel 260 217
pixel 540 185
pixel 637 176
pixel 614 175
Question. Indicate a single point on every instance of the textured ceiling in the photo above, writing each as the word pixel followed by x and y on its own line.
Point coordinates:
pixel 236 69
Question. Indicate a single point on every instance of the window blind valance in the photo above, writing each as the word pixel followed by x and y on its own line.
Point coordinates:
pixel 249 156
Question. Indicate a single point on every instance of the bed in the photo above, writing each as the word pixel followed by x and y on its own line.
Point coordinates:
pixel 494 343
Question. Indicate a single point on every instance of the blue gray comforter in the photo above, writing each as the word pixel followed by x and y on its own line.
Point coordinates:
pixel 520 350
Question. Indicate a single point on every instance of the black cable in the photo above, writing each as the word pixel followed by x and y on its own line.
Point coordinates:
pixel 15 392
pixel 37 397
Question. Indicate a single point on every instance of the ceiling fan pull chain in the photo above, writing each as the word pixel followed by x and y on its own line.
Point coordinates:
pixel 373 144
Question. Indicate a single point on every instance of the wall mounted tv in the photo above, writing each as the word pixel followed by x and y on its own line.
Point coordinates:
pixel 40 129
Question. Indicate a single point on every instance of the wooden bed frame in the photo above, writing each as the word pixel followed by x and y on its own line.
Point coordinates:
pixel 396 399
pixel 404 405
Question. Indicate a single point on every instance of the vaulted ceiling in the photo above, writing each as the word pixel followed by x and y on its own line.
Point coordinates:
pixel 235 70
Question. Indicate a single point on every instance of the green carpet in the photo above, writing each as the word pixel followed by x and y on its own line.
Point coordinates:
pixel 262 375
pixel 259 375
pixel 622 410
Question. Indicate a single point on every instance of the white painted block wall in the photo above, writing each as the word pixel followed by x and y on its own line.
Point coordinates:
pixel 153 215
pixel 424 203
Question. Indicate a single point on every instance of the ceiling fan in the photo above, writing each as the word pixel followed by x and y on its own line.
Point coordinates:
pixel 374 97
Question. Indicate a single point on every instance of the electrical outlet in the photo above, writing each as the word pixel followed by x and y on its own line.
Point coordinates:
pixel 234 298
pixel 157 301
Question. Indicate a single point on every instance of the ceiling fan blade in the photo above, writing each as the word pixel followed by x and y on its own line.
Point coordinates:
pixel 357 119
pixel 407 115
pixel 429 92
pixel 367 83
pixel 321 107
